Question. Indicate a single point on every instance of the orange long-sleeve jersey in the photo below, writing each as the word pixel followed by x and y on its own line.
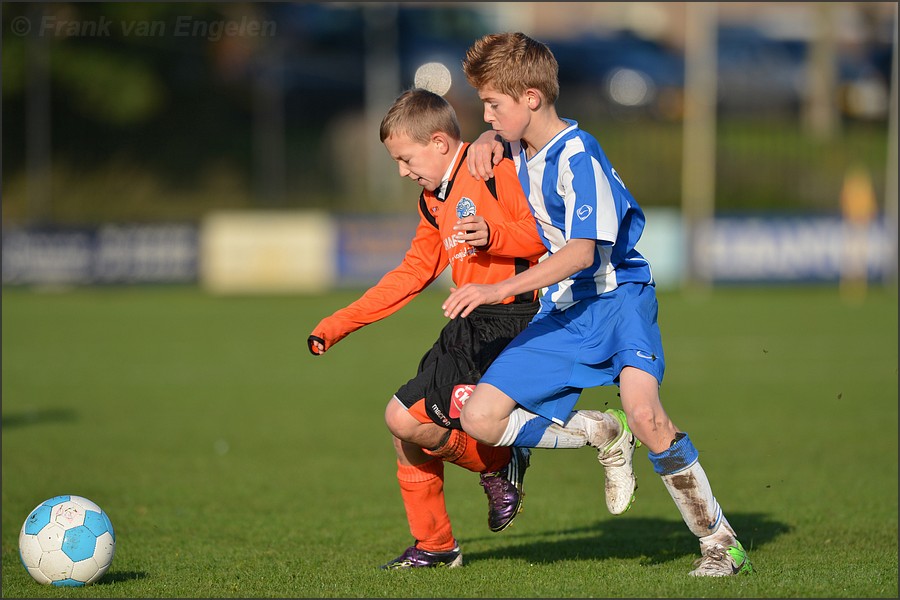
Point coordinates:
pixel 513 245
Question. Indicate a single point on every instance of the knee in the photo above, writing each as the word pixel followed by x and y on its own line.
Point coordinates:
pixel 476 425
pixel 468 421
pixel 397 420
pixel 645 419
pixel 652 427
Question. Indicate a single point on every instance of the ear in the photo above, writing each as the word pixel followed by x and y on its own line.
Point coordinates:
pixel 441 141
pixel 532 98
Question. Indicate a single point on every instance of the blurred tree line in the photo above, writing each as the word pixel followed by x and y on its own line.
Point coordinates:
pixel 138 126
pixel 110 114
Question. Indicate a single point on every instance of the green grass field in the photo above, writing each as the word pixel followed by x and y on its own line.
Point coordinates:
pixel 233 463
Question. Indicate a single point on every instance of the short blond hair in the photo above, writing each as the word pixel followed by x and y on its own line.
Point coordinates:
pixel 420 114
pixel 512 63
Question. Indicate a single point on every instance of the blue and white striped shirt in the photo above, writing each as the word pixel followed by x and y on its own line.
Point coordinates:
pixel 574 192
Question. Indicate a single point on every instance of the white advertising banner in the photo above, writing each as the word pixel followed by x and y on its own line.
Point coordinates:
pixel 267 252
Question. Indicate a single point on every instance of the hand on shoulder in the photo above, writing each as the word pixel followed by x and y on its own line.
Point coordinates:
pixel 484 153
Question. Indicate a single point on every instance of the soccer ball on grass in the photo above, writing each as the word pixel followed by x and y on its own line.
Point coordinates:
pixel 67 541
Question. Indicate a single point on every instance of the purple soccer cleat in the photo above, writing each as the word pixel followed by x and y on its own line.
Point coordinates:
pixel 414 558
pixel 505 489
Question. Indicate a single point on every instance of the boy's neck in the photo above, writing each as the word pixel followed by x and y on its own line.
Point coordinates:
pixel 452 155
pixel 544 126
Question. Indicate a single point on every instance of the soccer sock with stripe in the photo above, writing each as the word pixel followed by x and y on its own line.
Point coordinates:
pixel 529 430
pixel 461 449
pixel 680 469
pixel 422 490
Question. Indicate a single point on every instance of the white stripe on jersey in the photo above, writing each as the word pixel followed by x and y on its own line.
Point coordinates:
pixel 561 293
pixel 602 206
pixel 553 237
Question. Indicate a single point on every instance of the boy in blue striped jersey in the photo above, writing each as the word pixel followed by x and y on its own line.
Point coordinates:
pixel 597 325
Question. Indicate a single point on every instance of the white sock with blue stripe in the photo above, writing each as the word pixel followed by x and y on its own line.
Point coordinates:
pixel 680 469
pixel 529 430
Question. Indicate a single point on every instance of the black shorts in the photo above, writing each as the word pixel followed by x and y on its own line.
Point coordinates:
pixel 464 350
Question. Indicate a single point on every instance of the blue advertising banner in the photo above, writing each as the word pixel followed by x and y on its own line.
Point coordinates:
pixel 370 246
pixel 791 249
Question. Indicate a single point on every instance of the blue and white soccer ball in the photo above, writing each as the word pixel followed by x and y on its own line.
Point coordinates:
pixel 67 541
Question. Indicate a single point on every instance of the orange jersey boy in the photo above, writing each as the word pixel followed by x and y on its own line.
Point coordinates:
pixel 485 232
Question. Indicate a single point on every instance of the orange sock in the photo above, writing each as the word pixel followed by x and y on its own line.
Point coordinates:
pixel 460 449
pixel 422 489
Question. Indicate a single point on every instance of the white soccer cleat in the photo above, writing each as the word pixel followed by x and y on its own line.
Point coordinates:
pixel 617 459
pixel 721 561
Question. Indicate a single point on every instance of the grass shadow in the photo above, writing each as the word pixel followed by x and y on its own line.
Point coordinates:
pixel 652 541
pixel 38 417
pixel 121 576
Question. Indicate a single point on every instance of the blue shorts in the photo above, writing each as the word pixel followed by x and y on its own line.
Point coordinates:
pixel 546 367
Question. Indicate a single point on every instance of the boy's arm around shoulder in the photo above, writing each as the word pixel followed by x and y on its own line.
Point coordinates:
pixel 421 265
pixel 484 153
pixel 518 236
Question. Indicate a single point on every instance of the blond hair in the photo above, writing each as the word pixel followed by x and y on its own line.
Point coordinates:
pixel 419 114
pixel 512 63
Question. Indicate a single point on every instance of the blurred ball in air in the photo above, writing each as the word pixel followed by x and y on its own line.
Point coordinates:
pixel 434 77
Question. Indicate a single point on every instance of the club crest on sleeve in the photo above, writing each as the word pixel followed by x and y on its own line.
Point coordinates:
pixel 465 207
pixel 460 395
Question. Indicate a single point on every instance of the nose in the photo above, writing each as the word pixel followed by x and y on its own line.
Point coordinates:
pixel 404 172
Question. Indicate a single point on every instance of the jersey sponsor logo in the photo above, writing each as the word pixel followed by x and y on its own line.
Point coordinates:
pixel 465 207
pixel 451 242
pixel 584 212
pixel 463 253
pixel 458 398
